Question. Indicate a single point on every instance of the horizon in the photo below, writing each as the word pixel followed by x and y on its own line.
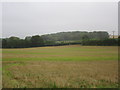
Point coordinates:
pixel 56 33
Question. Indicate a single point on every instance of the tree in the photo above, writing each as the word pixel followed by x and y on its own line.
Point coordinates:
pixel 119 40
pixel 28 41
pixel 4 43
pixel 13 42
pixel 28 38
pixel 85 37
pixel 37 41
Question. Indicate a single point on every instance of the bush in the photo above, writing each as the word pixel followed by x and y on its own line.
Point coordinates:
pixel 105 42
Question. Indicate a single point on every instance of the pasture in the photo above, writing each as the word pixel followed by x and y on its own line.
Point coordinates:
pixel 71 66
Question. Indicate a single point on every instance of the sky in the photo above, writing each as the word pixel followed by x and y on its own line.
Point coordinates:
pixel 23 19
pixel 0 19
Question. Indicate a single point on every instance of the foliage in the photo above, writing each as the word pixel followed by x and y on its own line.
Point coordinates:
pixel 36 41
pixel 119 41
pixel 76 35
pixel 15 42
pixel 105 42
pixel 58 39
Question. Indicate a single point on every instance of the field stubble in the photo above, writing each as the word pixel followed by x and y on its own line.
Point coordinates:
pixel 63 66
pixel 61 74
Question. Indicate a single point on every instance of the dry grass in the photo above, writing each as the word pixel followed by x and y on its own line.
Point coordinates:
pixel 60 74
pixel 71 66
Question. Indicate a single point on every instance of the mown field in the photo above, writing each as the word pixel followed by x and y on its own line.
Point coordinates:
pixel 71 66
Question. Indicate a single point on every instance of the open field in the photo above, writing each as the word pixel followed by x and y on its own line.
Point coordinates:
pixel 61 66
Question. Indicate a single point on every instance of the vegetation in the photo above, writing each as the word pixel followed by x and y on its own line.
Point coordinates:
pixel 61 53
pixel 15 42
pixel 75 36
pixel 58 39
pixel 72 66
pixel 105 42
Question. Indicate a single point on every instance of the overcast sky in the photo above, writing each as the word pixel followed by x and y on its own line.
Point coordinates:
pixel 36 18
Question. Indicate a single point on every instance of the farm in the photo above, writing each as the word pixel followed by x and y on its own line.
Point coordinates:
pixel 71 66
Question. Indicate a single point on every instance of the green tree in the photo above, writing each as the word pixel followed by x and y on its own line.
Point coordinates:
pixel 36 41
pixel 4 43
pixel 85 37
pixel 28 41
pixel 13 42
pixel 119 40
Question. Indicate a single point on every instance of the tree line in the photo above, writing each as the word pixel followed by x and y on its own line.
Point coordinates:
pixel 15 42
pixel 104 42
pixel 63 38
pixel 75 36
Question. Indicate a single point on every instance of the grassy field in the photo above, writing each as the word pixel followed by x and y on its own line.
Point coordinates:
pixel 71 66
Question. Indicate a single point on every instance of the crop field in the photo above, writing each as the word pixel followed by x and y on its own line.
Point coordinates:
pixel 71 66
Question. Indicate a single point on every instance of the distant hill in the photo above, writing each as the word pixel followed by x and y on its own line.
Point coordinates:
pixel 63 38
pixel 75 36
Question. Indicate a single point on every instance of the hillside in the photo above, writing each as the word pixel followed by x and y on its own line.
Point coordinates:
pixel 75 36
pixel 61 38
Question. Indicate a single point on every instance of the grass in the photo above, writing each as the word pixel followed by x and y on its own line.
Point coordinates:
pixel 61 53
pixel 71 66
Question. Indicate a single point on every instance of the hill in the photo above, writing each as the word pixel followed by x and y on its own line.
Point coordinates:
pixel 75 36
